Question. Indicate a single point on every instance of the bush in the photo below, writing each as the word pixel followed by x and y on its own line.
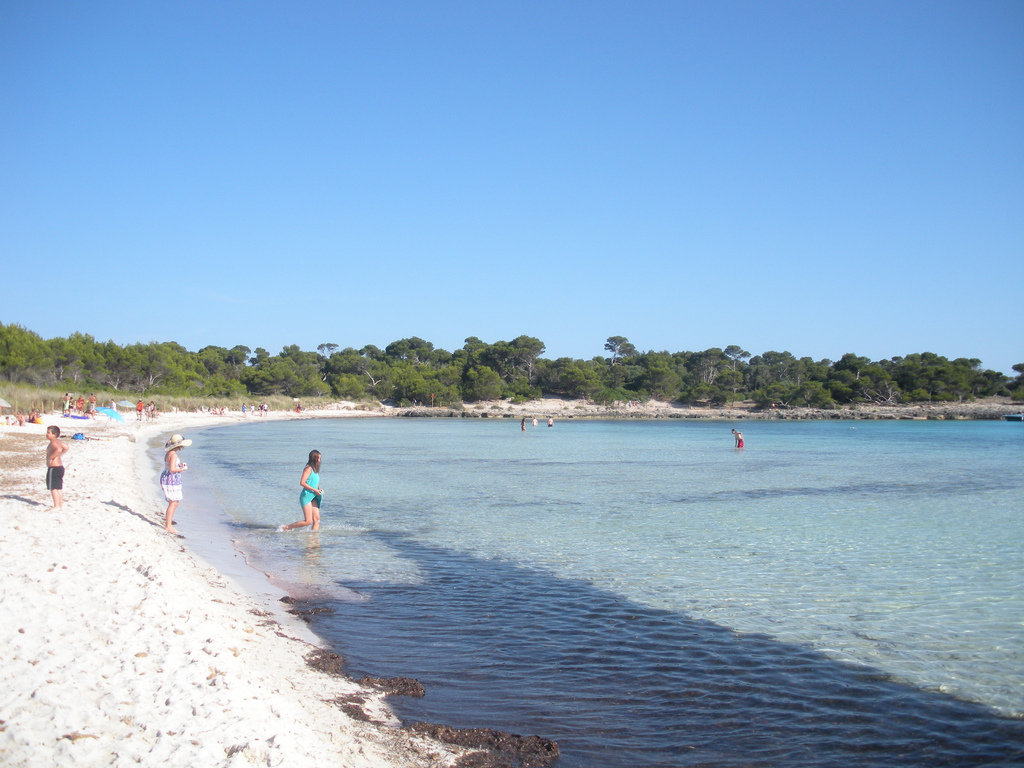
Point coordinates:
pixel 609 396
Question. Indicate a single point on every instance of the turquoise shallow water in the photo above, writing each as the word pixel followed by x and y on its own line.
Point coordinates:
pixel 892 549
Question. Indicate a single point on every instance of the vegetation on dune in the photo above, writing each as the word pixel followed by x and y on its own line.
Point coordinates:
pixel 411 371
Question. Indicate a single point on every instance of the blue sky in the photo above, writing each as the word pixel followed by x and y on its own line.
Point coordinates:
pixel 815 177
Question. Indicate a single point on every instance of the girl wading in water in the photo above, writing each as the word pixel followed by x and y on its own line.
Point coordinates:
pixel 170 478
pixel 309 496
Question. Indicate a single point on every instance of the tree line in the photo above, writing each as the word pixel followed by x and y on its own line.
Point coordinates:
pixel 410 371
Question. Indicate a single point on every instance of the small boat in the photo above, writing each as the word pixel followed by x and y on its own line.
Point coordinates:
pixel 1014 416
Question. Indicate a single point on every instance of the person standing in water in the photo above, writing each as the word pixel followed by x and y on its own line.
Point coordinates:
pixel 739 438
pixel 170 478
pixel 310 495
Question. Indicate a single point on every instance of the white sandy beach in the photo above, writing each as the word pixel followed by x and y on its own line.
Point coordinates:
pixel 120 648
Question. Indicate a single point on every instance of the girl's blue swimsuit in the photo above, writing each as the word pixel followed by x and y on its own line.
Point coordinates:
pixel 306 495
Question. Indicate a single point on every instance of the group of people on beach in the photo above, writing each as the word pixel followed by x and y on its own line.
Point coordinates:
pixel 143 410
pixel 19 418
pixel 170 480
pixel 310 494
pixel 79 407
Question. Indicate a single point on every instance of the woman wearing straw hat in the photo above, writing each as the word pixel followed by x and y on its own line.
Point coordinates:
pixel 170 478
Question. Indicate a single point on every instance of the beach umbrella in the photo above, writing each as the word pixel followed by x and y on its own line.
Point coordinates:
pixel 111 413
pixel 4 403
pixel 126 403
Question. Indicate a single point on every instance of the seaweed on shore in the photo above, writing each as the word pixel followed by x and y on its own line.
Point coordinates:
pixel 305 613
pixel 353 707
pixel 397 686
pixel 500 749
pixel 326 661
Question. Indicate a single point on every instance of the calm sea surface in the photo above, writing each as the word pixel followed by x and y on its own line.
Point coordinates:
pixel 836 593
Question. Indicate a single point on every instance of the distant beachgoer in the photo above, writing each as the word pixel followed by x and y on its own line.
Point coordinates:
pixel 535 422
pixel 551 421
pixel 310 496
pixel 55 467
pixel 739 438
pixel 170 478
pixel 523 424
pixel 139 406
pixel 80 405
pixel 67 404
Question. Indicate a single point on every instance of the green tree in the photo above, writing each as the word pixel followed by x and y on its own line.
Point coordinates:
pixel 620 348
pixel 77 358
pixel 574 378
pixel 481 383
pixel 407 383
pixel 414 349
pixel 24 356
pixel 525 352
pixel 326 350
pixel 736 354
pixel 347 386
pixel 770 368
pixel 121 364
pixel 1017 391
pixel 215 360
pixel 509 359
pixel 472 344
pixel 294 373
pixel 237 357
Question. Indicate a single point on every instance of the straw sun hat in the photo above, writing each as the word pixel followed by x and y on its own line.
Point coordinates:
pixel 176 441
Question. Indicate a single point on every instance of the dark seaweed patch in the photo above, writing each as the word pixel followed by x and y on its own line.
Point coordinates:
pixel 326 661
pixel 397 686
pixel 501 749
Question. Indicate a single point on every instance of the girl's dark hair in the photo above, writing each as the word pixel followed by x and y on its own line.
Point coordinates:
pixel 314 461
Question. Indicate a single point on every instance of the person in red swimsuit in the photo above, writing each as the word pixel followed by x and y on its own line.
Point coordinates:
pixel 739 438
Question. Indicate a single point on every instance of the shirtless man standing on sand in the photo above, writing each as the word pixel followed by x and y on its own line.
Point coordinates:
pixel 55 467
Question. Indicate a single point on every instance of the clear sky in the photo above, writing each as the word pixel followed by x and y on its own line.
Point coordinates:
pixel 817 177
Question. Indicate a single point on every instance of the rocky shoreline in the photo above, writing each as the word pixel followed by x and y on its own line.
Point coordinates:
pixel 994 408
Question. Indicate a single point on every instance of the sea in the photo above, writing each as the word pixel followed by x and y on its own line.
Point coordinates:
pixel 645 594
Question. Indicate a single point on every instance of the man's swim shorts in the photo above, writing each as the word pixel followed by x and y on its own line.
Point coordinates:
pixel 54 478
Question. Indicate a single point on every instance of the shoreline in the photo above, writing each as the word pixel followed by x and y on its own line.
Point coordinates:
pixel 123 647
pixel 993 408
